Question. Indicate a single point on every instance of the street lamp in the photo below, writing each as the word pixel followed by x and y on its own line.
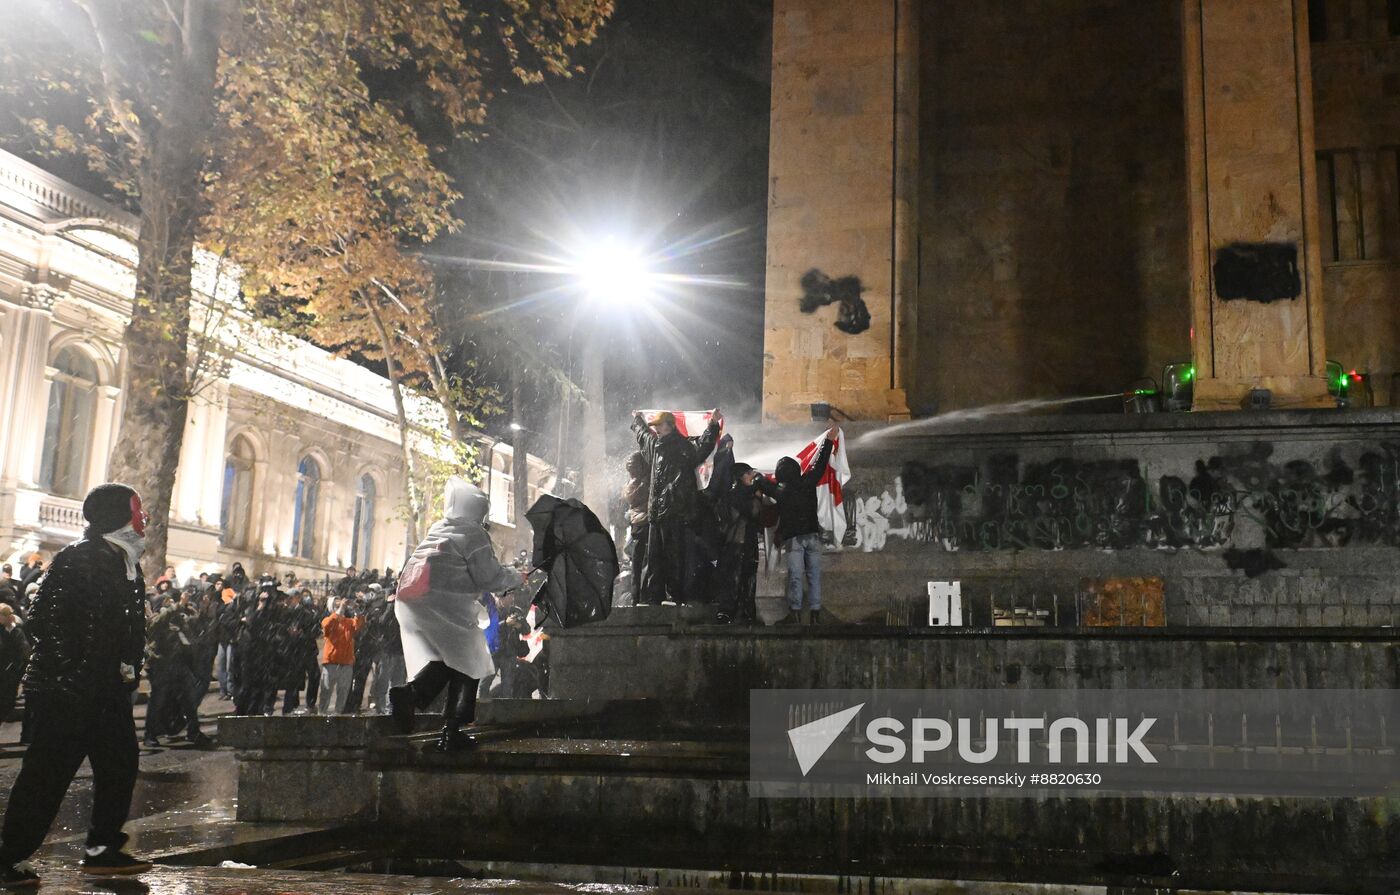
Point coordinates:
pixel 610 275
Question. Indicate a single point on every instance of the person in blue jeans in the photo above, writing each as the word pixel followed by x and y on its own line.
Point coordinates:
pixel 799 530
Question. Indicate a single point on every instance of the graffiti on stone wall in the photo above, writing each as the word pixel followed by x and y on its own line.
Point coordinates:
pixel 1243 500
pixel 820 290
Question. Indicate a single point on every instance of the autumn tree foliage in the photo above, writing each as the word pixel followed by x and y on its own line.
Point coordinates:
pixel 286 134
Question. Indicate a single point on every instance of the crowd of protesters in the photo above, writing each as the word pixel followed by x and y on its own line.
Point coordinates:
pixel 269 644
pixel 689 544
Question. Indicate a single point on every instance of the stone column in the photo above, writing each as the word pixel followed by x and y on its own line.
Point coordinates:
pixel 840 208
pixel 1256 272
pixel 104 432
pixel 27 396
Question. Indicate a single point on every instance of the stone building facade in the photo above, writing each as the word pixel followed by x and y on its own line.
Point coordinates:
pixel 290 460
pixel 974 203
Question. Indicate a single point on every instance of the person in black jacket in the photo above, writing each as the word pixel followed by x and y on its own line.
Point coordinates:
pixel 30 571
pixel 740 506
pixel 14 655
pixel 799 530
pixel 666 577
pixel 637 495
pixel 88 628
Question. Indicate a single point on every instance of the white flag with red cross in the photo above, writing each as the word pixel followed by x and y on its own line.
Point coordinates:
pixel 830 513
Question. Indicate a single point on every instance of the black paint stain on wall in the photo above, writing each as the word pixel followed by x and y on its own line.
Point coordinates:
pixel 1258 271
pixel 820 290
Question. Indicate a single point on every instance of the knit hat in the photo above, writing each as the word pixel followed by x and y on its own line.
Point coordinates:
pixel 107 508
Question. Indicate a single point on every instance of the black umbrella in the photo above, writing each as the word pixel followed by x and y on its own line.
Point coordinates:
pixel 578 554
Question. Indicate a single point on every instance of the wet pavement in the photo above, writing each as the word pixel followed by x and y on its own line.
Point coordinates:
pixel 60 879
pixel 178 785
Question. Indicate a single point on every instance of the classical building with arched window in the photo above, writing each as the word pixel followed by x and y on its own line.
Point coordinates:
pixel 290 461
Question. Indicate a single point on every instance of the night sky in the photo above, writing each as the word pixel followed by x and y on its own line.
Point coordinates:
pixel 661 142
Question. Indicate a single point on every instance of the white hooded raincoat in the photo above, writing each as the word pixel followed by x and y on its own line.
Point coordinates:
pixel 442 618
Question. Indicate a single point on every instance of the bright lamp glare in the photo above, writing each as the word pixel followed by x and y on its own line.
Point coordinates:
pixel 614 274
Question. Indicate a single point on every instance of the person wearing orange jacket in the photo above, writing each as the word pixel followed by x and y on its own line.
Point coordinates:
pixel 338 655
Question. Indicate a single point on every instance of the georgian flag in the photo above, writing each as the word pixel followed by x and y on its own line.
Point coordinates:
pixel 691 423
pixel 838 472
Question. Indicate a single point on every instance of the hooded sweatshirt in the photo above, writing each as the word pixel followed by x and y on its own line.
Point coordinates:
pixel 796 494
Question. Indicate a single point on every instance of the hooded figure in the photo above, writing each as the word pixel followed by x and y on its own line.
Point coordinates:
pixel 88 628
pixel 799 529
pixel 740 508
pixel 441 616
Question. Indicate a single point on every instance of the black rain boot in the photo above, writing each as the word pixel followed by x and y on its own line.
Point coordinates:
pixel 452 740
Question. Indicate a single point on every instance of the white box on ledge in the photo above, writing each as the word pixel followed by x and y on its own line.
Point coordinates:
pixel 945 607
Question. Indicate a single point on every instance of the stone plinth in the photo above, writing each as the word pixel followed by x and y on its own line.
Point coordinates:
pixel 840 203
pixel 1256 273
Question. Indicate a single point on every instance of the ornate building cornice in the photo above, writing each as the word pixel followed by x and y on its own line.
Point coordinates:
pixel 40 296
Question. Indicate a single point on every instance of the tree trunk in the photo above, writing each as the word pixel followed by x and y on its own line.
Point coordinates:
pixel 171 131
pixel 520 445
pixel 410 471
pixel 156 343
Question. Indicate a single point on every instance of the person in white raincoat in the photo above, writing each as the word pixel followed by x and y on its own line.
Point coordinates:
pixel 441 614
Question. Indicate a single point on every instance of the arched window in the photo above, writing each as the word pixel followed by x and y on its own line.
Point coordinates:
pixel 68 429
pixel 238 493
pixel 362 540
pixel 304 522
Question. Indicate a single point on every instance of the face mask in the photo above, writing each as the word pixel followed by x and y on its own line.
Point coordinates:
pixel 132 544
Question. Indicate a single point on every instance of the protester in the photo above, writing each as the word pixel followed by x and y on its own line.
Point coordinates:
pixel 14 653
pixel 204 622
pixel 388 667
pixel 31 590
pixel 338 657
pixel 236 577
pixel 637 493
pixel 671 504
pixel 740 508
pixel 31 570
pixel 226 626
pixel 173 661
pixel 799 530
pixel 709 527
pixel 88 631
pixel 440 613
pixel 9 591
pixel 308 653
pixel 345 587
pixel 368 642
pixel 288 629
pixel 160 595
pixel 256 650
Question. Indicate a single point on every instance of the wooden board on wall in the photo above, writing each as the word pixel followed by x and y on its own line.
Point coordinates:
pixel 1122 603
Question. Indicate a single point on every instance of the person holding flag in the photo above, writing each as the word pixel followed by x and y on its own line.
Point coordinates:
pixel 671 504
pixel 799 525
